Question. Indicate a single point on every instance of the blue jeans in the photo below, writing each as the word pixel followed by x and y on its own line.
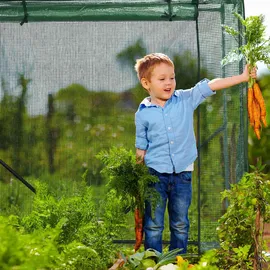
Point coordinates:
pixel 177 190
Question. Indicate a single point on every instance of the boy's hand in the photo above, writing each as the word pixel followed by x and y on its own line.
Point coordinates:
pixel 140 155
pixel 247 73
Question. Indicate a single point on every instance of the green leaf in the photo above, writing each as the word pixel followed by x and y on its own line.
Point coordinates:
pixel 252 167
pixel 231 57
pixel 240 18
pixel 262 167
pixel 257 48
pixel 231 31
pixel 136 258
pixel 151 253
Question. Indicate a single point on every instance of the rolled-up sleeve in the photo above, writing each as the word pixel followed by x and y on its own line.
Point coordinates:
pixel 200 92
pixel 141 138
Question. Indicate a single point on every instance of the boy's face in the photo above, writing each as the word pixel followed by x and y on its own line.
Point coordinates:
pixel 161 85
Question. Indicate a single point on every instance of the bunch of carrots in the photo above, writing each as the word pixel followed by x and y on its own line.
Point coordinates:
pixel 256 108
pixel 255 49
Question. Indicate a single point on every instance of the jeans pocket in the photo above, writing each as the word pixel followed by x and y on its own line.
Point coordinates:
pixel 185 177
pixel 153 171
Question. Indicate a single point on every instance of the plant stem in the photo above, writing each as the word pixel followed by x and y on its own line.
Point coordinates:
pixel 256 238
pixel 251 80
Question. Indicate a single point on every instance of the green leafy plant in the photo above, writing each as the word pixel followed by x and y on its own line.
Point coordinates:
pixel 240 229
pixel 132 181
pixel 151 258
pixel 133 184
pixel 62 233
pixel 208 261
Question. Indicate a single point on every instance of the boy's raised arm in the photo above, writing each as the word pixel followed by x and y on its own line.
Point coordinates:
pixel 222 83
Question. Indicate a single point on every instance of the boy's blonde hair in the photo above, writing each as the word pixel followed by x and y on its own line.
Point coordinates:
pixel 145 65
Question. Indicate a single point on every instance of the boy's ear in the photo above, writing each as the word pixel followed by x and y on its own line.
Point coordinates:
pixel 145 83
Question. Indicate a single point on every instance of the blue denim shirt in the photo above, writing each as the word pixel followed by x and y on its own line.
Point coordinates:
pixel 167 133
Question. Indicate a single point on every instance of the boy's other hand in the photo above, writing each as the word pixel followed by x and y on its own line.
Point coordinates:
pixel 140 155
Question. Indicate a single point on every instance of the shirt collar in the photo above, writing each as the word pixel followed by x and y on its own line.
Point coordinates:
pixel 147 103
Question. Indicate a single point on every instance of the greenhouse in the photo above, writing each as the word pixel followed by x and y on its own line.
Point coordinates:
pixel 69 92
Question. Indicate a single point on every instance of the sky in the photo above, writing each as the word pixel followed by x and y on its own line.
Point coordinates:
pixel 254 8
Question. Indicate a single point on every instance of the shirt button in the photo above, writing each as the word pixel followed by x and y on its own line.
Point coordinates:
pixel 172 155
pixel 169 128
pixel 172 142
pixel 166 114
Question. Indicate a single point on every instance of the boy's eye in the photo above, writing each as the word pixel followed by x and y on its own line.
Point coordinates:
pixel 161 79
pixel 172 78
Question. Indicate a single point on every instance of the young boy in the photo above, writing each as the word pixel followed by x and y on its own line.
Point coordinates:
pixel 165 142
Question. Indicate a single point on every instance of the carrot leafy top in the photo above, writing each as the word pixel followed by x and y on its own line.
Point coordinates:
pixel 256 47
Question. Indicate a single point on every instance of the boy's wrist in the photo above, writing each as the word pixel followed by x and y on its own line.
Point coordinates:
pixel 244 77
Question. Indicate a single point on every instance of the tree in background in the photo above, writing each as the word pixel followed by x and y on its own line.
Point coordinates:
pixel 52 134
pixel 13 113
pixel 131 53
pixel 7 106
pixel 18 127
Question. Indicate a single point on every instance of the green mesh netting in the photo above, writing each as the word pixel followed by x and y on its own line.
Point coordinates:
pixel 69 90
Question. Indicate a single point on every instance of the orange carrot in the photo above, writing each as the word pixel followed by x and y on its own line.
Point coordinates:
pixel 259 97
pixel 257 122
pixel 250 106
pixel 138 228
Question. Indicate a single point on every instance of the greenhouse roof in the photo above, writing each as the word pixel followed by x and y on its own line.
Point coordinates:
pixel 106 10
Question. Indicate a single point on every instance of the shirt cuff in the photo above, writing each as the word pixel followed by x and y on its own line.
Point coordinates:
pixel 141 143
pixel 205 90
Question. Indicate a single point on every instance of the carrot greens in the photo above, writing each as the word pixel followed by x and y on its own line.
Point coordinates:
pixel 256 47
